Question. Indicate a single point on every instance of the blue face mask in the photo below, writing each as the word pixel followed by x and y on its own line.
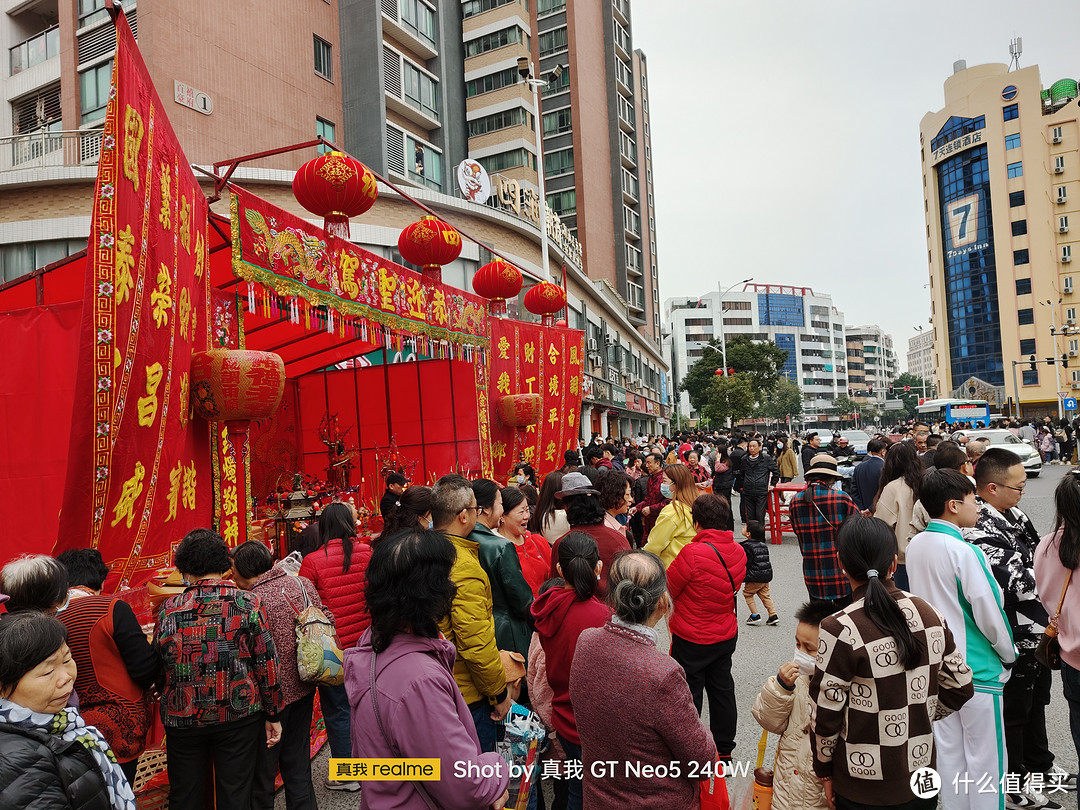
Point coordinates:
pixel 665 490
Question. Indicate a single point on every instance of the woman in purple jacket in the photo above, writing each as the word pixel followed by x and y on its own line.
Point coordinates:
pixel 415 708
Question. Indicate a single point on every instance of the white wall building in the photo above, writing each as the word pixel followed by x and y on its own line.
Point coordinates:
pixel 920 355
pixel 872 362
pixel 798 320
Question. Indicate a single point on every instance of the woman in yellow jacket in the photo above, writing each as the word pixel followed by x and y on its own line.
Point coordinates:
pixel 675 526
pixel 785 461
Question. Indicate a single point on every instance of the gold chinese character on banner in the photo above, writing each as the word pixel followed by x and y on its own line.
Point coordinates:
pixel 504 347
pixel 228 500
pixel 553 416
pixel 573 355
pixel 503 384
pixel 185 223
pixel 148 405
pixel 166 196
pixel 184 408
pixel 529 382
pixel 553 354
pixel 132 489
pixel 189 486
pixel 438 308
pixel 231 531
pixel 161 298
pixel 570 419
pixel 349 265
pixel 200 254
pixel 176 475
pixel 530 353
pixel 228 467
pixel 416 299
pixel 530 452
pixel 183 312
pixel 574 385
pixel 498 451
pixel 133 135
pixel 549 454
pixel 553 385
pixel 530 428
pixel 387 287
pixel 125 242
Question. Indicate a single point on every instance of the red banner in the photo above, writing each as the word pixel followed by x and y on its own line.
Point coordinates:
pixel 378 300
pixel 138 475
pixel 544 362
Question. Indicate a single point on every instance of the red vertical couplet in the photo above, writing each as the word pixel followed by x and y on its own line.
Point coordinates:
pixel 139 474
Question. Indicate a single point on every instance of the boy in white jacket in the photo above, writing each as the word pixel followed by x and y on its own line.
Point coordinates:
pixel 954 576
pixel 783 707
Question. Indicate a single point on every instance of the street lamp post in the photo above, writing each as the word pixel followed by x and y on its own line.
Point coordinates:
pixel 1057 372
pixel 723 338
pixel 525 70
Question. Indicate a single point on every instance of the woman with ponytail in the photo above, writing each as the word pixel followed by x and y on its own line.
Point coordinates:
pixel 887 669
pixel 411 511
pixel 561 614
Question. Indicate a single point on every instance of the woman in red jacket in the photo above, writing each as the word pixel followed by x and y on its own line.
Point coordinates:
pixel 338 570
pixel 704 581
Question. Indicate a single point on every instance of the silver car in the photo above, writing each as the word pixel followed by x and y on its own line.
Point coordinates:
pixel 857 440
pixel 1004 438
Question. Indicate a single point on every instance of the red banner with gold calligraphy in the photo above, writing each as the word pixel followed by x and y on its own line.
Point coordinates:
pixel 545 362
pixel 379 299
pixel 138 475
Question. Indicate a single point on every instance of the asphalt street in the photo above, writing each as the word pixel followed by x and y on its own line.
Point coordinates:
pixel 761 650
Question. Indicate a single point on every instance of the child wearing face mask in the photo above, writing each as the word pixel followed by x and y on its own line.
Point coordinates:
pixel 783 707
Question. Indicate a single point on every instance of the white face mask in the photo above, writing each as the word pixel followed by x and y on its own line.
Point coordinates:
pixel 430 523
pixel 521 478
pixel 807 663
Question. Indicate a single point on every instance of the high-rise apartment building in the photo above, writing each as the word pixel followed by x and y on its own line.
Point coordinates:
pixel 872 364
pixel 1000 182
pixel 920 355
pixel 796 319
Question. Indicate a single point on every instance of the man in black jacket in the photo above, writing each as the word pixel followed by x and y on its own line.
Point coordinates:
pixel 809 450
pixel 867 475
pixel 759 476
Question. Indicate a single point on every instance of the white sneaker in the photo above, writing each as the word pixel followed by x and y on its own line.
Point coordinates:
pixel 333 784
pixel 1025 799
pixel 1058 777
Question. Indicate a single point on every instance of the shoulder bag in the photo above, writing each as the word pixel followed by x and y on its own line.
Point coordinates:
pixel 319 659
pixel 1048 653
pixel 731 579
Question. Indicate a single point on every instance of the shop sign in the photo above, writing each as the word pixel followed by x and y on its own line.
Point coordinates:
pixel 511 196
pixel 586 386
pixel 618 397
pixel 190 97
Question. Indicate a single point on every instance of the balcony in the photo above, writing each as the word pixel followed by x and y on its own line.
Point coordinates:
pixel 626 114
pixel 635 296
pixel 410 90
pixel 43 149
pixel 39 48
pixel 413 25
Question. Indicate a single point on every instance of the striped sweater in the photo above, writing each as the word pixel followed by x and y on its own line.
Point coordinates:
pixel 872 719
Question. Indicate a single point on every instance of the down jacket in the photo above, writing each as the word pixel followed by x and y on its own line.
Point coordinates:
pixel 795 787
pixel 704 594
pixel 341 591
pixel 41 770
pixel 758 565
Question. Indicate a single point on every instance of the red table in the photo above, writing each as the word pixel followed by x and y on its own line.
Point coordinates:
pixel 779 520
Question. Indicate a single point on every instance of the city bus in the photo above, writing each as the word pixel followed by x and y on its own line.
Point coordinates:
pixel 954 410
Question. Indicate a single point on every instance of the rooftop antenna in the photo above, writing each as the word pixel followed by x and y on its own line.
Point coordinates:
pixel 1016 47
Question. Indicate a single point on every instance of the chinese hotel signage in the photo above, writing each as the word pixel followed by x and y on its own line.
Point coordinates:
pixel 511 196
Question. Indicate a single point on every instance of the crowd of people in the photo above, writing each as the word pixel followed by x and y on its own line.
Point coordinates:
pixel 928 592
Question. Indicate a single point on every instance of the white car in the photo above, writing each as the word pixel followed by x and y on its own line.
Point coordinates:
pixel 1004 438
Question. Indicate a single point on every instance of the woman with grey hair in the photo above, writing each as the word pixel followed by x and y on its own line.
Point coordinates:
pixel 34 582
pixel 658 715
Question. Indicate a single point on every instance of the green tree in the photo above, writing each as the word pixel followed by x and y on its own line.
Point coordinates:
pixel 910 398
pixel 760 361
pixel 844 405
pixel 728 398
pixel 784 400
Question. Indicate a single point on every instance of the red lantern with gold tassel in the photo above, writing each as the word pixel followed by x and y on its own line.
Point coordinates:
pixel 545 299
pixel 430 243
pixel 497 280
pixel 335 187
pixel 519 410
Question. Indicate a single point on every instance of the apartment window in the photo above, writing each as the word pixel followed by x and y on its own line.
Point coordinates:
pixel 35 50
pixel 1010 112
pixel 426 164
pixel 507 160
pixel 1019 227
pixel 1016 199
pixel 1070 315
pixel 1020 256
pixel 421 91
pixel 560 85
pixel 1023 286
pixel 1059 164
pixel 1012 141
pixel 324 59
pixel 558 162
pixel 94 87
pixel 1062 195
pixel 1066 253
pixel 498 39
pixel 563 203
pixel 491 82
pixel 1027 347
pixel 557 121
pixel 1074 345
pixel 1063 222
pixel 419 18
pixel 1031 377
pixel 553 41
pixel 24 257
pixel 517 116
pixel 1025 317
pixel 324 129
pixel 1015 169
pixel 549 7
pixel 91 11
pixel 471 8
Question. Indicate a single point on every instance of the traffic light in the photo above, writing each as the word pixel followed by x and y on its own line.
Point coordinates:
pixel 891 387
pixel 907 389
pixel 850 391
pixel 1034 363
pixel 1064 360
pixel 870 390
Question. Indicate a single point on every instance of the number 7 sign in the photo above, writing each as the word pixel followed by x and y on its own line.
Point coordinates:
pixel 963 215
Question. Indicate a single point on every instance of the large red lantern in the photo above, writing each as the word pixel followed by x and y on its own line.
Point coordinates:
pixel 430 243
pixel 519 410
pixel 497 280
pixel 335 187
pixel 545 299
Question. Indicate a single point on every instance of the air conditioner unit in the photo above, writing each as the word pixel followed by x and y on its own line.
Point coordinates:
pixel 1075 386
pixel 1073 353
pixel 1063 228
pixel 1066 259
pixel 1056 138
pixel 1070 321
pixel 1061 198
pixel 1068 285
pixel 596 360
pixel 611 339
pixel 1059 170
pixel 592 345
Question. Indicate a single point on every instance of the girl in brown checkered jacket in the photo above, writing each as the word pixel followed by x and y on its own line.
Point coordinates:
pixel 887 668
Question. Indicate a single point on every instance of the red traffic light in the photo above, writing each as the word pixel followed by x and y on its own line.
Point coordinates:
pixel 907 388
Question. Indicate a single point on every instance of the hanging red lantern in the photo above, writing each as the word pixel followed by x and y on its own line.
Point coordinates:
pixel 430 243
pixel 497 280
pixel 561 323
pixel 519 410
pixel 335 187
pixel 236 385
pixel 545 299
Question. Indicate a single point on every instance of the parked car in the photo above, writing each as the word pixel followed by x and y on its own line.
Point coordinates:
pixel 857 440
pixel 1003 438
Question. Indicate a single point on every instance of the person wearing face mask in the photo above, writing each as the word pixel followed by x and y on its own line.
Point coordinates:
pixel 783 707
pixel 412 510
pixel 675 526
pixel 533 550
pixel 786 461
